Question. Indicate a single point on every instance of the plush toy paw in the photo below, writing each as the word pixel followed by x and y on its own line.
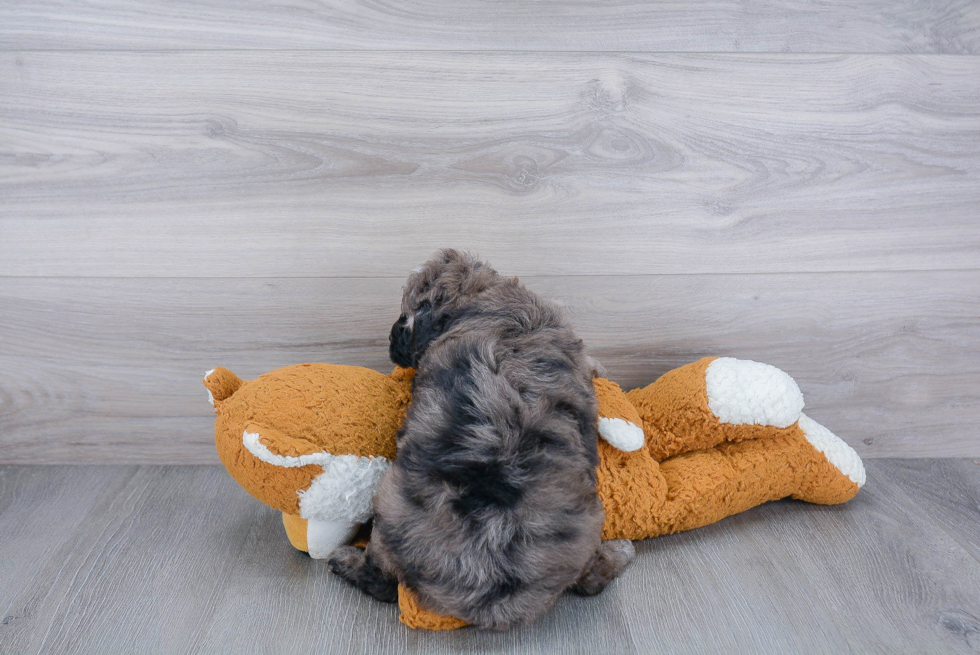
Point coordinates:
pixel 844 458
pixel 619 422
pixel 415 616
pixel 743 392
pixel 835 471
pixel 318 537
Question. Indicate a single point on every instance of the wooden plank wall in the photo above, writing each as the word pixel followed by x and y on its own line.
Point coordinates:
pixel 184 185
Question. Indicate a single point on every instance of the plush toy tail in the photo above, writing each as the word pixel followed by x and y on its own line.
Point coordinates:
pixel 221 384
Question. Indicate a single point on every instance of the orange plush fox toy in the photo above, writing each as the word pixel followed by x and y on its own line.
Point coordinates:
pixel 705 441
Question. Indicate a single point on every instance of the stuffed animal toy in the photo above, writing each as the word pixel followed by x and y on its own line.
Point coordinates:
pixel 705 441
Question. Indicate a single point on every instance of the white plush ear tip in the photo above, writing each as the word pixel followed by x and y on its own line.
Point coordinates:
pixel 742 392
pixel 844 458
pixel 598 370
pixel 621 434
pixel 210 395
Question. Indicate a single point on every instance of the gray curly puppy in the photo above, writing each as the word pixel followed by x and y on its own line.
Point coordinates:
pixel 490 510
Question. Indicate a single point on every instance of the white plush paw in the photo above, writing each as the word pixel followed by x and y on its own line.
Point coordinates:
pixel 621 434
pixel 835 449
pixel 741 391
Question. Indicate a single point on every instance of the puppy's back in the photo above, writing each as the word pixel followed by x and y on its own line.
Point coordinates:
pixel 490 509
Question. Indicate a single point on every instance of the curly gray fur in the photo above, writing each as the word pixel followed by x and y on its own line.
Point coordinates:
pixel 490 510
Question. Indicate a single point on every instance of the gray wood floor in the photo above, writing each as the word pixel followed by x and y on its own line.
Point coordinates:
pixel 185 184
pixel 139 559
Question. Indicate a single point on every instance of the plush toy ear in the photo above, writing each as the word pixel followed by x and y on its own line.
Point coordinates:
pixel 403 376
pixel 221 384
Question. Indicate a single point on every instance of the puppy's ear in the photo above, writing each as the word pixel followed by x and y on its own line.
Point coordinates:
pixel 426 328
pixel 400 343
pixel 408 341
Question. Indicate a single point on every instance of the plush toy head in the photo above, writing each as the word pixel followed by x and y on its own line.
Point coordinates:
pixel 312 441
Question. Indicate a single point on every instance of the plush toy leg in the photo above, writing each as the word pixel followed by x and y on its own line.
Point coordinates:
pixel 633 492
pixel 713 401
pixel 705 486
pixel 415 616
pixel 835 477
pixel 317 537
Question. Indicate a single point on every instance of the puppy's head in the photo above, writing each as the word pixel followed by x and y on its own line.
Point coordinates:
pixel 432 300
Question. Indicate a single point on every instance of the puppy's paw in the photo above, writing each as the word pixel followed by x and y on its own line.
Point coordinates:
pixel 346 561
pixel 618 553
pixel 609 561
pixel 356 567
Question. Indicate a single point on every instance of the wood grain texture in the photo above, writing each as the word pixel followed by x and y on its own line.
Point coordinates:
pixel 948 492
pixel 877 573
pixel 702 577
pixel 947 26
pixel 147 563
pixel 903 561
pixel 301 164
pixel 181 560
pixel 41 513
pixel 95 370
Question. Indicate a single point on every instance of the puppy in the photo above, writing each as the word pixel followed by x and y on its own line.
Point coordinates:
pixel 490 510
